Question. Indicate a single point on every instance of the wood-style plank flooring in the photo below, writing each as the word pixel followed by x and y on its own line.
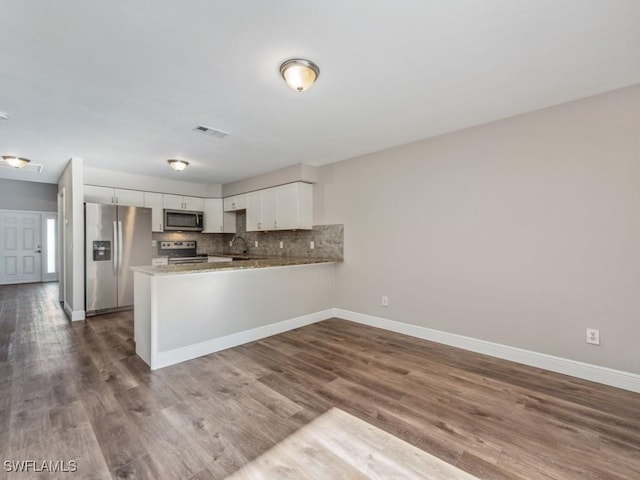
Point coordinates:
pixel 77 391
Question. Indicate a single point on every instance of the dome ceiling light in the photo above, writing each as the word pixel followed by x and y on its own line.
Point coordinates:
pixel 299 73
pixel 178 165
pixel 15 162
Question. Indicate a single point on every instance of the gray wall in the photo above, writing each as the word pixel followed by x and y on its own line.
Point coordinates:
pixel 523 232
pixel 299 172
pixel 34 196
pixel 72 271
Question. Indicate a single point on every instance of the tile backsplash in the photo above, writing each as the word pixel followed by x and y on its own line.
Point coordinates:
pixel 328 240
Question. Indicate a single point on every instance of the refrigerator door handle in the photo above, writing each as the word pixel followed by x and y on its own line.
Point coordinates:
pixel 119 248
pixel 116 248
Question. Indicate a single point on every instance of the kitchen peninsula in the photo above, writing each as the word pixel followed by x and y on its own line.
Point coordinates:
pixel 186 311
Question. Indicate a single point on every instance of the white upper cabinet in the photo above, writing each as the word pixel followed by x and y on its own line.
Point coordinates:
pixel 294 206
pixel 155 202
pixel 195 204
pixel 235 203
pixel 113 196
pixel 179 202
pixel 261 210
pixel 288 207
pixel 105 195
pixel 229 222
pixel 268 198
pixel 131 198
pixel 213 219
pixel 173 202
pixel 254 212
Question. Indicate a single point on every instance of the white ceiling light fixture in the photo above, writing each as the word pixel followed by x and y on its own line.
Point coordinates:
pixel 178 165
pixel 299 73
pixel 15 162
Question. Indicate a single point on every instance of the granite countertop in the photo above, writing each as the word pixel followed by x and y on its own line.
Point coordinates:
pixel 234 265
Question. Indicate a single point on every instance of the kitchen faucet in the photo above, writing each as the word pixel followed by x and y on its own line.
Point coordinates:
pixel 238 237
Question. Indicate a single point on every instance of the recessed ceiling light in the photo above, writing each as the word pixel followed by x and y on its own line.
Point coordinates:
pixel 15 162
pixel 178 165
pixel 299 73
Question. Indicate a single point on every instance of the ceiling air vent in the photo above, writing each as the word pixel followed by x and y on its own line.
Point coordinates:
pixel 212 132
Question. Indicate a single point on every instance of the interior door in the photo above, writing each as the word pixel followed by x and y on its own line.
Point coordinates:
pixel 20 247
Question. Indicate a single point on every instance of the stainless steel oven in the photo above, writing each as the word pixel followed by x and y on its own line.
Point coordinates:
pixel 183 221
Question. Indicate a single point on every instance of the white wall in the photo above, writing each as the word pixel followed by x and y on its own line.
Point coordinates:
pixel 110 178
pixel 522 232
pixel 72 272
pixel 33 196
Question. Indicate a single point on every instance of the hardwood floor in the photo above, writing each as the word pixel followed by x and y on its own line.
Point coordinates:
pixel 77 391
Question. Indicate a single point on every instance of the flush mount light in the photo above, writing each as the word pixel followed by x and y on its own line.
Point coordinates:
pixel 299 73
pixel 15 162
pixel 178 165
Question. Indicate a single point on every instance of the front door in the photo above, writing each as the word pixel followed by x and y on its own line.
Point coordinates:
pixel 20 247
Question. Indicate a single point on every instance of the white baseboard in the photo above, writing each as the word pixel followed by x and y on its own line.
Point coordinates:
pixel 74 315
pixel 177 355
pixel 586 371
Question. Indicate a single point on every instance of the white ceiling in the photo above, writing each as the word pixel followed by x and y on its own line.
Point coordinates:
pixel 122 83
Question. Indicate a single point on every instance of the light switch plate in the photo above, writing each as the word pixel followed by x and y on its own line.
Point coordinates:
pixel 281 244
pixel 312 244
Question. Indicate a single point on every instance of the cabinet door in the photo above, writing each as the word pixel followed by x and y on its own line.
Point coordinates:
pixel 155 203
pixel 129 198
pixel 213 215
pixel 173 202
pixel 104 195
pixel 235 203
pixel 268 209
pixel 287 206
pixel 294 206
pixel 229 222
pixel 254 212
pixel 195 204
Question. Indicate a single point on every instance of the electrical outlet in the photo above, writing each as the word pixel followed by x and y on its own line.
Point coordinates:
pixel 154 243
pixel 281 244
pixel 593 336
pixel 385 301
pixel 312 244
pixel 231 243
pixel 256 243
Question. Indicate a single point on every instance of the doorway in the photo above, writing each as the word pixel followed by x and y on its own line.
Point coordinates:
pixel 28 251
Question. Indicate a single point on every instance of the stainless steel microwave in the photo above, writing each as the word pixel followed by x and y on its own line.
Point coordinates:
pixel 183 220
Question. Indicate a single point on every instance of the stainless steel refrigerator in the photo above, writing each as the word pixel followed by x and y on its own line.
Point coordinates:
pixel 116 238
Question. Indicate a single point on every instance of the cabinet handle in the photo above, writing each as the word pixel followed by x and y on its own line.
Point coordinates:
pixel 116 200
pixel 220 227
pixel 259 224
pixel 112 200
pixel 275 224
